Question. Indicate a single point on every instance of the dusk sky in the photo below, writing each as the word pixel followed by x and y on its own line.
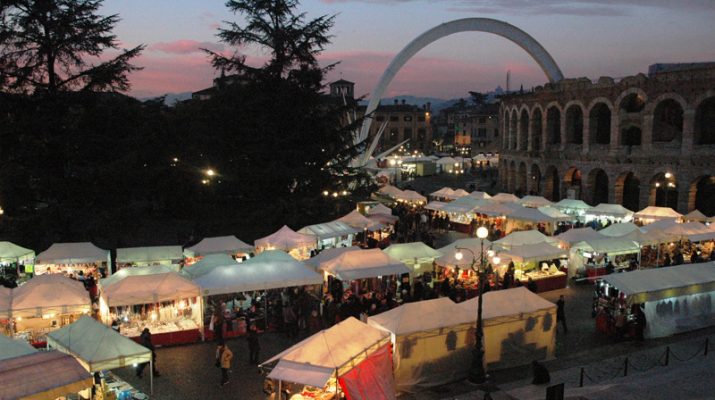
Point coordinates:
pixel 589 38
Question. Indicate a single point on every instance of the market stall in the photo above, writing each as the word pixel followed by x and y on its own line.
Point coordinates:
pixel 675 299
pixel 534 201
pixel 230 245
pixel 416 255
pixel 697 216
pixel 447 165
pixel 480 195
pixel 360 222
pixel 208 264
pixel 137 271
pixel 432 340
pixel 369 269
pixel 575 235
pixel 443 194
pixel 457 194
pixel 331 234
pixel 149 256
pixel 525 237
pixel 296 244
pixel 45 375
pixel 542 263
pixel 411 198
pixel 168 304
pixel 561 218
pixel 5 311
pixel 590 258
pixel 573 207
pixel 519 326
pixel 46 303
pixel 15 260
pixel 523 218
pixel 350 357
pixel 651 214
pixel 505 198
pixel 11 348
pixel 611 213
pixel 389 191
pixel 98 347
pixel 71 258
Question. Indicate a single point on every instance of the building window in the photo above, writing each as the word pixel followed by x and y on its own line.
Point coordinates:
pixel 393 118
pixel 407 118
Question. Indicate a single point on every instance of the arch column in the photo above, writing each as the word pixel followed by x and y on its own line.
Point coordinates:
pixel 562 145
pixel 686 146
pixel 647 133
pixel 615 132
pixel 544 131
pixel 643 196
pixel 586 138
pixel 530 136
pixel 519 133
pixel 683 197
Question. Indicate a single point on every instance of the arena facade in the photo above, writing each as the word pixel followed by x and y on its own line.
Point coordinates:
pixel 637 141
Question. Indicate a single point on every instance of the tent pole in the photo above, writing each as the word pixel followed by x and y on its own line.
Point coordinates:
pixel 265 311
pixel 202 308
pixel 280 389
pixel 151 374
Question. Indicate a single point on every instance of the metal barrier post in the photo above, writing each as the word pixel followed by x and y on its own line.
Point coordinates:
pixel 580 379
pixel 667 356
pixel 625 367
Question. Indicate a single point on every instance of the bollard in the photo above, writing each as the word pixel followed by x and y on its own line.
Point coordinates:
pixel 707 344
pixel 667 356
pixel 625 367
pixel 580 379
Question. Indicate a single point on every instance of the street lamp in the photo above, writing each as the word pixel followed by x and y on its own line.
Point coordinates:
pixel 477 373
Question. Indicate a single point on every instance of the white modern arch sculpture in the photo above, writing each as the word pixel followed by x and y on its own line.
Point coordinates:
pixel 496 27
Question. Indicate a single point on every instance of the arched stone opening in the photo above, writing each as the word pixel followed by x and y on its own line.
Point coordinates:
pixel 512 130
pixel 552 184
pixel 702 195
pixel 536 130
pixel 633 103
pixel 524 129
pixel 521 180
pixel 631 136
pixel 663 190
pixel 572 183
pixel 705 122
pixel 553 125
pixel 628 191
pixel 574 125
pixel 668 122
pixel 511 182
pixel 535 180
pixel 599 127
pixel 598 183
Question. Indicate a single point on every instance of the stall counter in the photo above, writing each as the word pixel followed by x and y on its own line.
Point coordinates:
pixel 546 282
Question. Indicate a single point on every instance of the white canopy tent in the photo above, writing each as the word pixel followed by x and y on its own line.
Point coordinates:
pixel 331 234
pixel 272 269
pixel 505 198
pixel 480 195
pixel 342 352
pixel 5 302
pixel 534 201
pixel 11 348
pixel 651 214
pixel 449 252
pixel 494 209
pixel 611 246
pixel 436 205
pixel 328 254
pixel 458 193
pixel 697 216
pixel 379 209
pixel 677 299
pixel 361 264
pixel 612 212
pixel 416 254
pixel 572 207
pixel 289 241
pixel 556 214
pixel 152 255
pixel 576 235
pixel 525 237
pixel 208 264
pixel 360 222
pixel 693 231
pixel 523 216
pixel 49 295
pixel 10 252
pixel 98 347
pixel 70 254
pixel 390 191
pixel 444 193
pixel 534 252
pixel 619 229
pixel 44 375
pixel 432 339
pixel 125 272
pixel 411 197
pixel 519 326
pixel 219 244
pixel 148 289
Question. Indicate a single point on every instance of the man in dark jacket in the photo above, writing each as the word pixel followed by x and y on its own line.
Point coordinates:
pixel 146 342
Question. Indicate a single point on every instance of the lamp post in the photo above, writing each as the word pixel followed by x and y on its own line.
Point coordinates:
pixel 477 373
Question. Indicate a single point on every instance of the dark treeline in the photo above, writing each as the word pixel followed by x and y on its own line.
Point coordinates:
pixel 81 162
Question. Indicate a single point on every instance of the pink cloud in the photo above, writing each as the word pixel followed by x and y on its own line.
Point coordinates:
pixel 185 46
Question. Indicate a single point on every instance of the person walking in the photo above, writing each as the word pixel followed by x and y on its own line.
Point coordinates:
pixel 224 356
pixel 254 347
pixel 561 313
pixel 145 338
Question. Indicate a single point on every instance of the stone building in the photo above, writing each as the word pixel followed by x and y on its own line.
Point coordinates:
pixel 637 141
pixel 475 128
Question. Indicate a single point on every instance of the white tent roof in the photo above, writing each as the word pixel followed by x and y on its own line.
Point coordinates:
pixel 360 264
pixel 470 202
pixel 328 254
pixel 42 375
pixel 661 283
pixel 149 254
pixel 520 238
pixel 286 239
pixel 505 198
pixel 219 244
pixel 411 251
pixel 96 346
pixel 480 195
pixel 700 237
pixel 529 214
pixel 421 316
pixel 49 293
pixel 272 269
pixel 328 230
pixel 390 190
pixel 360 222
pixel 459 193
pixel 411 195
pixel 435 205
pixel 555 213
pixel 620 229
pixel 576 235
pixel 135 271
pixel 5 301
pixel 146 289
pixel 72 253
pixel 647 238
pixel 11 251
pixel 610 246
pixel 506 303
pixel 208 264
pixel 653 212
pixel 11 348
pixel 494 209
pixel 447 161
pixel 697 216
pixel 534 252
pixel 379 209
pixel 572 204
pixel 444 192
pixel 314 360
pixel 449 252
pixel 610 210
pixel 534 201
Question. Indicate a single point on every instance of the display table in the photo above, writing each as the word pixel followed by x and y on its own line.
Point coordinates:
pixel 593 272
pixel 462 228
pixel 546 282
pixel 172 338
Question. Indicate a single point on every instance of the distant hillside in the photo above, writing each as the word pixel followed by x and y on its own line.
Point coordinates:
pixel 171 98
